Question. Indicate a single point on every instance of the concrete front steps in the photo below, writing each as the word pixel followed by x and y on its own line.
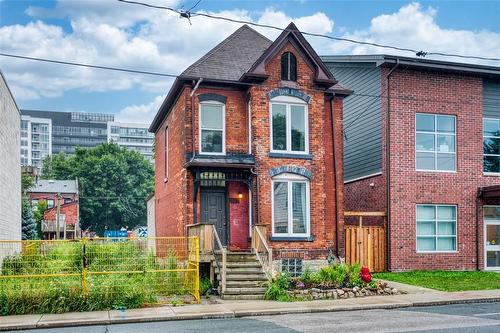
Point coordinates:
pixel 245 279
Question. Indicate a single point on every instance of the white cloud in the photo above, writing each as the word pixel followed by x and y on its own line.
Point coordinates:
pixel 415 27
pixel 123 35
pixel 143 113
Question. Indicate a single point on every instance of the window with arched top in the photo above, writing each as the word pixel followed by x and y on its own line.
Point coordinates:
pixel 290 205
pixel 288 67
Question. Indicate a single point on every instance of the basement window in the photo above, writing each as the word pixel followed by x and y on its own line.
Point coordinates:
pixel 292 266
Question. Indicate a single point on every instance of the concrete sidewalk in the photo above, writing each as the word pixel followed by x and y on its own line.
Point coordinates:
pixel 233 309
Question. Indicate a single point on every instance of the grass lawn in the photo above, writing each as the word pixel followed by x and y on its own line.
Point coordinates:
pixel 445 280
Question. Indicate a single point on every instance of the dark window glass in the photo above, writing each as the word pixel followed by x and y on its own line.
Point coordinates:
pixel 288 67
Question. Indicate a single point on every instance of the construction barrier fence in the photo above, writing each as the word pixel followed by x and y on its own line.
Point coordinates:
pixel 112 271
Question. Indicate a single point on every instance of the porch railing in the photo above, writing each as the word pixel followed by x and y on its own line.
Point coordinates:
pixel 211 245
pixel 262 250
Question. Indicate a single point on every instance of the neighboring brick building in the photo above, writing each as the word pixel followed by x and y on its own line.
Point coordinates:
pixel 64 192
pixel 10 169
pixel 444 157
pixel 221 158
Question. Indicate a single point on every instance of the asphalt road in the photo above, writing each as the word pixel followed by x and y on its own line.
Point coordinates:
pixel 482 317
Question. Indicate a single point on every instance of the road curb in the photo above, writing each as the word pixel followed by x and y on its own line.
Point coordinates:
pixel 243 313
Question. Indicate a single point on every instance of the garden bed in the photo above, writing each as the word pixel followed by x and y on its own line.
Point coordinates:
pixel 334 281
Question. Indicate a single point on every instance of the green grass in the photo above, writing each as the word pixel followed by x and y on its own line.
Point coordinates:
pixel 446 280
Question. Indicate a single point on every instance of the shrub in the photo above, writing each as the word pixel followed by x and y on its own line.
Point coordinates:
pixel 278 287
pixel 205 284
pixel 333 275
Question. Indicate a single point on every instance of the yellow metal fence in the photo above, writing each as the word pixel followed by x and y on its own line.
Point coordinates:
pixel 117 271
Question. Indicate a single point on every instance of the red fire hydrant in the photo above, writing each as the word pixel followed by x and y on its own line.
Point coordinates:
pixel 365 274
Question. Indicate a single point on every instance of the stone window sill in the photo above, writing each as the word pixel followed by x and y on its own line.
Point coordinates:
pixel 296 156
pixel 291 239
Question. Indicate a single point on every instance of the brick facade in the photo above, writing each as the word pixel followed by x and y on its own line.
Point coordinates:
pixel 411 92
pixel 174 196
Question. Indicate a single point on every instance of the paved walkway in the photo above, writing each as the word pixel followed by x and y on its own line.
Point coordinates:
pixel 231 309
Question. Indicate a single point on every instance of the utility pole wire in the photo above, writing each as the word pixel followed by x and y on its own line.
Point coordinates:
pixel 420 53
pixel 87 65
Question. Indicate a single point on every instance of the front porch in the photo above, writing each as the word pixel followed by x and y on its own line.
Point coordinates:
pixel 235 249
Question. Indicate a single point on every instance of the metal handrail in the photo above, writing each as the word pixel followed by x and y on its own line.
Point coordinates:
pixel 223 251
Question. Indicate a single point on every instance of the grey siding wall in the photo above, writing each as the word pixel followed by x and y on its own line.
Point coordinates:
pixel 362 118
pixel 10 166
pixel 491 99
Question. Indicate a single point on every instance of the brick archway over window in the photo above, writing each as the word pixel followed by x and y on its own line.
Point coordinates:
pixel 291 169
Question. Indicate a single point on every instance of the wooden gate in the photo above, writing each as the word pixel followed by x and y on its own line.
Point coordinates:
pixel 366 245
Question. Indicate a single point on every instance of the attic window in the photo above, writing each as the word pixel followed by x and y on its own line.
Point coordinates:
pixel 288 67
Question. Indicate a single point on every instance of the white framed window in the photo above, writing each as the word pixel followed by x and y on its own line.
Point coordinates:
pixel 435 142
pixel 290 206
pixel 436 228
pixel 289 125
pixel 212 128
pixel 491 145
pixel 166 153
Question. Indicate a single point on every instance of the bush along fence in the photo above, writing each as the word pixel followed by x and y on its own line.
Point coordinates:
pixel 96 274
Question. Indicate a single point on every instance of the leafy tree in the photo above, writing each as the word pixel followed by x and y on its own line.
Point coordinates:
pixel 114 183
pixel 27 182
pixel 38 211
pixel 28 225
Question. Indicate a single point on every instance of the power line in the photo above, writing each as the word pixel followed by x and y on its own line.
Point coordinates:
pixel 87 65
pixel 419 53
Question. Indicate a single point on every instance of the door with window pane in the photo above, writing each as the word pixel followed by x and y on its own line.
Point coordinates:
pixel 492 237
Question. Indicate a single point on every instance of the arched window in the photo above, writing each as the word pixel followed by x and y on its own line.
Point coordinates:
pixel 288 67
pixel 290 205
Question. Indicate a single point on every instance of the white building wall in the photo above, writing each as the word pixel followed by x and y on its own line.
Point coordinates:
pixel 10 166
pixel 151 217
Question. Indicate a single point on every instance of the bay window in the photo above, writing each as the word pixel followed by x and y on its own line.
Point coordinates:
pixel 435 142
pixel 290 194
pixel 289 129
pixel 212 128
pixel 436 228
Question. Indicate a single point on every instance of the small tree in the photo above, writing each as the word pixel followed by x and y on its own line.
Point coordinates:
pixel 28 226
pixel 38 211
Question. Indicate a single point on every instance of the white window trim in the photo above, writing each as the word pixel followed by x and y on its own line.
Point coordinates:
pixel 436 152
pixel 485 249
pixel 290 179
pixel 166 153
pixel 489 173
pixel 435 235
pixel 201 152
pixel 288 101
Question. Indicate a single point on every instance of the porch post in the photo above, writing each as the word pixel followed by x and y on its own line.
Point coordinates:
pixel 196 185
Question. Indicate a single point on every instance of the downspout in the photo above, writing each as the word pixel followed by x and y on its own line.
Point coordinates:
pixel 332 112
pixel 256 201
pixel 388 163
pixel 478 211
pixel 195 193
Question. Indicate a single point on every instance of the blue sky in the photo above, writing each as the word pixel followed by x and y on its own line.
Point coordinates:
pixel 107 32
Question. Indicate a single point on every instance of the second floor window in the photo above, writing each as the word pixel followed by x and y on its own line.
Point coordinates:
pixel 435 142
pixel 491 145
pixel 288 67
pixel 289 130
pixel 212 129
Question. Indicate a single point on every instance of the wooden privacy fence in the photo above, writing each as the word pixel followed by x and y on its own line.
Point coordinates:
pixel 366 245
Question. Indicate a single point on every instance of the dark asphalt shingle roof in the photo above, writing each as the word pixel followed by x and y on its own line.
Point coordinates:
pixel 231 58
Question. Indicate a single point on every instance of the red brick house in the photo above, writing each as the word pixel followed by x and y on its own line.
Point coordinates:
pixel 250 135
pixel 422 143
pixel 64 193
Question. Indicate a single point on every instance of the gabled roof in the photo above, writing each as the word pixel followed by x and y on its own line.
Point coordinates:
pixel 55 186
pixel 292 34
pixel 231 58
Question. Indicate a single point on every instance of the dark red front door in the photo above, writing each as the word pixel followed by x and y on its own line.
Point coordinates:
pixel 238 216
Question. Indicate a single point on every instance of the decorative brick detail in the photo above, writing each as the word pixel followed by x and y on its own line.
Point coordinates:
pixel 289 92
pixel 291 169
pixel 212 97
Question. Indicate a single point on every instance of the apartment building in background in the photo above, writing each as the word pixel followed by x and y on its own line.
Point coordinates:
pixel 132 136
pixel 50 132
